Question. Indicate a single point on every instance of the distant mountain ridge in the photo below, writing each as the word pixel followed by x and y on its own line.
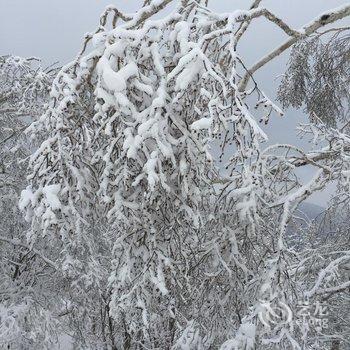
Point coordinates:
pixel 311 210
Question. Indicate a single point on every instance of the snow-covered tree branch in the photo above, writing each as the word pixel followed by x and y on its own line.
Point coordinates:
pixel 159 215
pixel 319 22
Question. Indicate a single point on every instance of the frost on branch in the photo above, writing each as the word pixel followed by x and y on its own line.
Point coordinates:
pixel 26 315
pixel 131 125
pixel 317 78
pixel 175 251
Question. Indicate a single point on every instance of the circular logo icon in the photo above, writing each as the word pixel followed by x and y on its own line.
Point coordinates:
pixel 274 314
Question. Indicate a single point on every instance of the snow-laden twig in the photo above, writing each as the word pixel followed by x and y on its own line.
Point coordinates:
pixel 35 251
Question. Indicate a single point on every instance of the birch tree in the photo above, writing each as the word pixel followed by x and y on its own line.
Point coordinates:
pixel 165 211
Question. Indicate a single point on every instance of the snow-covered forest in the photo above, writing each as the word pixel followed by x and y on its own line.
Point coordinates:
pixel 145 203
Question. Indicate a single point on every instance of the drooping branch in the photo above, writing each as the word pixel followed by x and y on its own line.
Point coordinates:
pixel 35 251
pixel 320 21
pixel 322 275
pixel 162 96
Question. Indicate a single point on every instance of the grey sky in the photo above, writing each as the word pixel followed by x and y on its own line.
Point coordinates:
pixel 53 30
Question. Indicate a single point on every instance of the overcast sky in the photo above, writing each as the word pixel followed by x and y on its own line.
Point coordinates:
pixel 53 30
